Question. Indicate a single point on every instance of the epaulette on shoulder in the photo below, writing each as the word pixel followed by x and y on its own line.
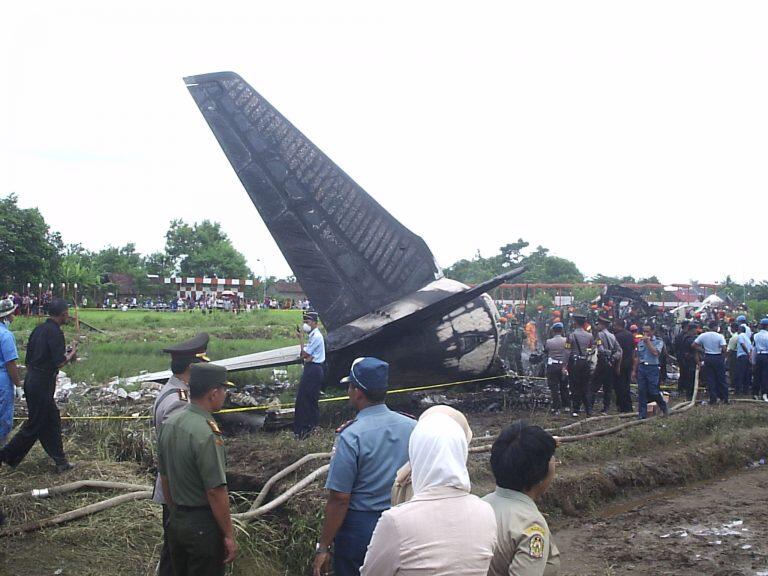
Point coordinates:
pixel 183 395
pixel 411 416
pixel 346 425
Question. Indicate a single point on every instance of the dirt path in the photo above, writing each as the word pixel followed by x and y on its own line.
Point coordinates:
pixel 717 528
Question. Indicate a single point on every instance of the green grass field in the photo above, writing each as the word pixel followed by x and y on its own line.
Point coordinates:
pixel 133 340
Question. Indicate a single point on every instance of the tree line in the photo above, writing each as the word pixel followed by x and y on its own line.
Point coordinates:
pixel 30 252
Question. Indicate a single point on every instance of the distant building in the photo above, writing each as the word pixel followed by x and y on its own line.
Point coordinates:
pixel 292 290
pixel 124 284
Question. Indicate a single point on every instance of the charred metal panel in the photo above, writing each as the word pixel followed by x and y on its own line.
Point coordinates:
pixel 349 254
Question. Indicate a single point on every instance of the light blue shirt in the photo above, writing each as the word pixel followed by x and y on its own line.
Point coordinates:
pixel 749 330
pixel 8 351
pixel 711 342
pixel 761 342
pixel 742 343
pixel 366 456
pixel 316 346
pixel 645 355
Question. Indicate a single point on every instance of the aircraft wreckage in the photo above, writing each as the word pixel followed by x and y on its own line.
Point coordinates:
pixel 374 283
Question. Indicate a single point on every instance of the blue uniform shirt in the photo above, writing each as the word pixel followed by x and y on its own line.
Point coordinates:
pixel 741 343
pixel 644 354
pixel 366 456
pixel 761 342
pixel 7 349
pixel 711 341
pixel 7 353
pixel 316 346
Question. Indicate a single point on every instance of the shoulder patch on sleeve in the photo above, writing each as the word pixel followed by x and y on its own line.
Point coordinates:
pixel 346 425
pixel 183 395
pixel 214 426
pixel 536 546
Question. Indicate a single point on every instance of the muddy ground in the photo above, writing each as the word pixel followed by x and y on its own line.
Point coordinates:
pixel 716 528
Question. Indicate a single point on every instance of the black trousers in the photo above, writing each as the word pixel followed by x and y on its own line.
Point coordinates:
pixel 760 383
pixel 713 373
pixel 743 384
pixel 165 566
pixel 580 376
pixel 687 377
pixel 307 413
pixel 196 543
pixel 558 386
pixel 603 377
pixel 621 384
pixel 44 422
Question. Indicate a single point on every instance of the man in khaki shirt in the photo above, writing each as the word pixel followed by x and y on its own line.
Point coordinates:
pixel 522 460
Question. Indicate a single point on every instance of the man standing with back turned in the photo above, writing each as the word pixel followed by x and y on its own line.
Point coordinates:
pixel 713 345
pixel 191 459
pixel 366 456
pixel 46 353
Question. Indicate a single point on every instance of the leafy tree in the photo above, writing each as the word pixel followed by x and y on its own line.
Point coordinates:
pixel 203 249
pixel 541 266
pixel 29 250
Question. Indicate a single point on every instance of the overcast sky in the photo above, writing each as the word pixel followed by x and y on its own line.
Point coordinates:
pixel 623 136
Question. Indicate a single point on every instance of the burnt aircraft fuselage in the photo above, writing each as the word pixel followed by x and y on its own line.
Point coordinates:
pixel 460 345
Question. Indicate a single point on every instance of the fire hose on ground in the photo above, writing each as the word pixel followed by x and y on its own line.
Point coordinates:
pixel 259 508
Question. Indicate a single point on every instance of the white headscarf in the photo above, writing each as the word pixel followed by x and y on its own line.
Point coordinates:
pixel 438 453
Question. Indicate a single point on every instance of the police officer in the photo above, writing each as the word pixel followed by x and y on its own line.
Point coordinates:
pixel 760 383
pixel 46 353
pixel 9 373
pixel 743 361
pixel 173 396
pixel 307 412
pixel 686 358
pixel 712 345
pixel 646 372
pixel 609 355
pixel 523 465
pixel 580 344
pixel 366 456
pixel 191 460
pixel 557 368
pixel 626 340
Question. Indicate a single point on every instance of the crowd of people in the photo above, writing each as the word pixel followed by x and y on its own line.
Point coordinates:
pixel 608 357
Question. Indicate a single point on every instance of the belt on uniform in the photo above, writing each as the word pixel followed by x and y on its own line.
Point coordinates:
pixel 579 357
pixel 766 352
pixel 183 508
pixel 649 364
pixel 550 361
pixel 713 355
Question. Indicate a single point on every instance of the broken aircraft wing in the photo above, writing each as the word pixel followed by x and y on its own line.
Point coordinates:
pixel 268 359
pixel 349 254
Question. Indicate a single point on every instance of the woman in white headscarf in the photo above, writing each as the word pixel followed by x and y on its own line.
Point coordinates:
pixel 402 489
pixel 443 529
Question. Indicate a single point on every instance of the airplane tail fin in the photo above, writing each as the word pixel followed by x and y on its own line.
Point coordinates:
pixel 348 253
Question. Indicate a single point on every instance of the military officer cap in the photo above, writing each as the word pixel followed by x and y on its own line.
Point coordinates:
pixel 604 320
pixel 193 347
pixel 557 326
pixel 369 374
pixel 578 316
pixel 741 318
pixel 764 322
pixel 204 377
pixel 312 316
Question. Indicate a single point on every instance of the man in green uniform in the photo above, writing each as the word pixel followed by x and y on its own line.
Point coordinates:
pixel 191 460
pixel 174 396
